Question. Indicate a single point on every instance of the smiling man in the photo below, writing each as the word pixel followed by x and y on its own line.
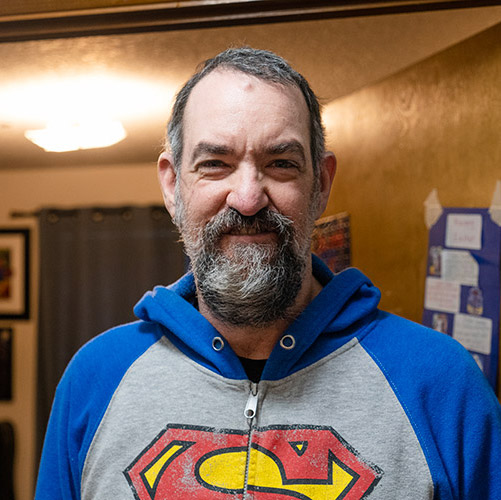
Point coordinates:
pixel 245 196
pixel 260 374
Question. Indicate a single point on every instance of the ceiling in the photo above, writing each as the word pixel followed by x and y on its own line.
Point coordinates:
pixel 337 56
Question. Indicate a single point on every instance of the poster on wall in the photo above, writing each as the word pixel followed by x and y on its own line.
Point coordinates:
pixel 331 241
pixel 462 290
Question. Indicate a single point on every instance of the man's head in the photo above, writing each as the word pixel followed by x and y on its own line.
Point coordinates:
pixel 242 184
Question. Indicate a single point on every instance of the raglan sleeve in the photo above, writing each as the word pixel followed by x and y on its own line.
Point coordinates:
pixel 60 466
pixel 470 442
pixel 452 407
pixel 459 425
pixel 82 398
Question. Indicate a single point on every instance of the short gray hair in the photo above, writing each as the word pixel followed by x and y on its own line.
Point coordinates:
pixel 264 65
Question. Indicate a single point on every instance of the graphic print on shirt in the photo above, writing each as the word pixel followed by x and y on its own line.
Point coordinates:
pixel 305 462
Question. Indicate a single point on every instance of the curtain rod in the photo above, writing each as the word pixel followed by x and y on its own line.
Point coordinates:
pixel 19 214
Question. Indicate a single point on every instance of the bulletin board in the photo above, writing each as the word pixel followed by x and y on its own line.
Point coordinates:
pixel 462 292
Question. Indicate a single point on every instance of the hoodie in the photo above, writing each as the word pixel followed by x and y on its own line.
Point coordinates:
pixel 353 403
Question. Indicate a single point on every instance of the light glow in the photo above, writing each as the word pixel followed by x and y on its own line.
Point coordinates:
pixel 72 112
pixel 62 136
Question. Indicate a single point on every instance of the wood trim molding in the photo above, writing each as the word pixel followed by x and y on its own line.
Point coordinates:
pixel 194 14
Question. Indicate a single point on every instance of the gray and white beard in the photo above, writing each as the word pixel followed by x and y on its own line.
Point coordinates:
pixel 254 284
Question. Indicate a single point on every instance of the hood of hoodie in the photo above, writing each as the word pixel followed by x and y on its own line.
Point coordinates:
pixel 344 309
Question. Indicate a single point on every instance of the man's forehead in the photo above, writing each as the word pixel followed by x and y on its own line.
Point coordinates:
pixel 222 80
pixel 236 110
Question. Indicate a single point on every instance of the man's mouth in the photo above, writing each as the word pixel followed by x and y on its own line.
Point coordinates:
pixel 246 231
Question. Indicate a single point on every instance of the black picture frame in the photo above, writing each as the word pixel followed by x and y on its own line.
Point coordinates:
pixel 6 335
pixel 14 273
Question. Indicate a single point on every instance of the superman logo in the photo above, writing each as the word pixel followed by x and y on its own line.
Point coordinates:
pixel 280 462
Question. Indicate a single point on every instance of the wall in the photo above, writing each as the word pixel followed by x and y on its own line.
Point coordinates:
pixel 28 190
pixel 434 125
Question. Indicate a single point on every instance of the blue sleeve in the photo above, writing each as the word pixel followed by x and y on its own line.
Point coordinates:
pixel 58 476
pixel 80 403
pixel 451 406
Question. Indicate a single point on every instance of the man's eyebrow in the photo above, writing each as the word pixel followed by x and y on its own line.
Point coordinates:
pixel 287 147
pixel 203 148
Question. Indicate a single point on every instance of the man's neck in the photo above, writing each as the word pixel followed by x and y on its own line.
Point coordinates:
pixel 258 342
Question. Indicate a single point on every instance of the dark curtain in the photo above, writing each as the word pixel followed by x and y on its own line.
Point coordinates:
pixel 95 264
pixel 7 452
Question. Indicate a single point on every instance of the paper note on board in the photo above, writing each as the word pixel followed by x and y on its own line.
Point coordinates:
pixel 459 266
pixel 441 295
pixel 464 231
pixel 473 332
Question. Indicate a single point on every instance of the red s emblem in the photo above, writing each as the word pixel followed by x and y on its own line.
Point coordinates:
pixel 309 463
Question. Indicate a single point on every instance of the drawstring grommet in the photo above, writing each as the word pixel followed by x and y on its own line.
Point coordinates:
pixel 217 343
pixel 287 342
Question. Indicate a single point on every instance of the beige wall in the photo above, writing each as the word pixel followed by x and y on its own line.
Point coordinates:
pixel 435 125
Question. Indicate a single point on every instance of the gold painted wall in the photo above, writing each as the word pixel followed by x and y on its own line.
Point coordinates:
pixel 435 125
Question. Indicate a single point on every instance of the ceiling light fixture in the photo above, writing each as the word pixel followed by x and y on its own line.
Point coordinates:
pixel 64 136
pixel 73 112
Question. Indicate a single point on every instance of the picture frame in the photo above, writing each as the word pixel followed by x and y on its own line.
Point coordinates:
pixel 6 335
pixel 14 273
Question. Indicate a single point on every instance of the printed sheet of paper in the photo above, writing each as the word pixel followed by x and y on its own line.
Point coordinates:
pixel 441 295
pixel 459 266
pixel 464 231
pixel 475 333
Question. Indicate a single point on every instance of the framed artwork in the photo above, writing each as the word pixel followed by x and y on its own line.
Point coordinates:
pixel 5 364
pixel 14 273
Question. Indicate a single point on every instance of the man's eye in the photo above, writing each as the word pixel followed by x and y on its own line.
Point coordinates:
pixel 212 164
pixel 213 168
pixel 285 164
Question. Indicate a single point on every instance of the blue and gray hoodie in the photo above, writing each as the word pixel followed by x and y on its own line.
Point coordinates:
pixel 353 403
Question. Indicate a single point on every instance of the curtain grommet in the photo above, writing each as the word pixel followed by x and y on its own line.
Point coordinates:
pixel 97 216
pixel 53 218
pixel 127 215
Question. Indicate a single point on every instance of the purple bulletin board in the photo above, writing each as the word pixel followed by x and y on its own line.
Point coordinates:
pixel 462 292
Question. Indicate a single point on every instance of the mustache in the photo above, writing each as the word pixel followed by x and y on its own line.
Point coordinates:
pixel 232 221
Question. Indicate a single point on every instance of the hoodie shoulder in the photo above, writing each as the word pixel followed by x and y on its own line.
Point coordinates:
pixel 448 401
pixel 81 400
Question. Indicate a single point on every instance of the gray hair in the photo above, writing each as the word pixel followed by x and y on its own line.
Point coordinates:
pixel 264 65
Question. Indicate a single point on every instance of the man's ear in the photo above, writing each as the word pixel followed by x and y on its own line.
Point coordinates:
pixel 167 178
pixel 327 171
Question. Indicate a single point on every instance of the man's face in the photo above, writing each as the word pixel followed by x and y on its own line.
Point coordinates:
pixel 245 200
pixel 246 146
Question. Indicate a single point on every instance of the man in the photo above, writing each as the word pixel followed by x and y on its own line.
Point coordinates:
pixel 260 375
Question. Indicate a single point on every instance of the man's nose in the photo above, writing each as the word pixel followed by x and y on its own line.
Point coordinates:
pixel 248 193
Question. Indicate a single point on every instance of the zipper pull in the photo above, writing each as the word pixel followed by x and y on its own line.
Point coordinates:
pixel 251 406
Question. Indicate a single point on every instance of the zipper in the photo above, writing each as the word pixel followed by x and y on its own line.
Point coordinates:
pixel 250 413
pixel 251 406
